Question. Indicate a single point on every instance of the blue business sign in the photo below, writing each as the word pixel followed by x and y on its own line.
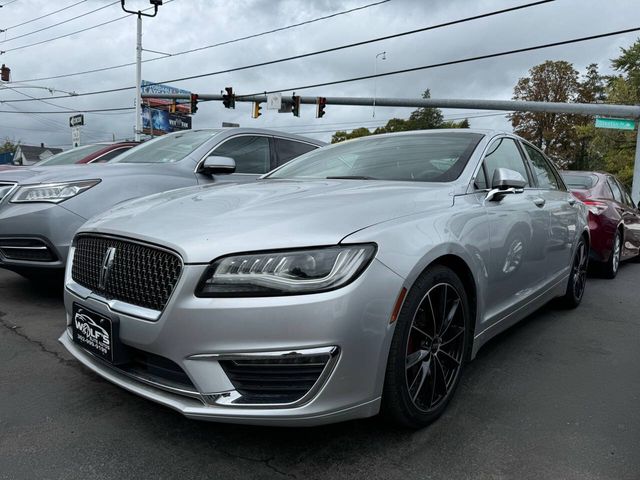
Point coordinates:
pixel 157 122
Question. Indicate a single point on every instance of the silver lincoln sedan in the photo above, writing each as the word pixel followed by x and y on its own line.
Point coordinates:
pixel 356 279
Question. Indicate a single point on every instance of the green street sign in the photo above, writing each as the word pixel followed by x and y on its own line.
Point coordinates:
pixel 616 123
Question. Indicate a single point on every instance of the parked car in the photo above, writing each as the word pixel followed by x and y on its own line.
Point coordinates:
pixel 614 219
pixel 359 277
pixel 42 207
pixel 95 153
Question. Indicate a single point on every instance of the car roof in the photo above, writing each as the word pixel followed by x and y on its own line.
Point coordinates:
pixel 266 131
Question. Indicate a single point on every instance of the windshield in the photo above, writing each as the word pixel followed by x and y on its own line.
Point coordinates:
pixel 579 182
pixel 70 156
pixel 429 157
pixel 167 149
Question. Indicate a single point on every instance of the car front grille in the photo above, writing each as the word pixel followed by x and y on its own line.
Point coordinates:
pixel 26 249
pixel 139 274
pixel 5 189
pixel 274 380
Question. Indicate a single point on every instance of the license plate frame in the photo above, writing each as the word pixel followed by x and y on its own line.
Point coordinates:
pixel 94 332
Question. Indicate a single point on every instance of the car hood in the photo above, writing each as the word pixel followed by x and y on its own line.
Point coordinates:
pixel 202 223
pixel 63 173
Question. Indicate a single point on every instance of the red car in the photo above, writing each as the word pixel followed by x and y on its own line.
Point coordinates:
pixel 614 220
pixel 94 153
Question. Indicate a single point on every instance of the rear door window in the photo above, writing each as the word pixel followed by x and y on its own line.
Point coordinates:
pixel 289 149
pixel 617 193
pixel 541 169
pixel 110 155
pixel 504 153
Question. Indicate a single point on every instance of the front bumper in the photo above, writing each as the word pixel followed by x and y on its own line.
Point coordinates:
pixel 37 227
pixel 196 333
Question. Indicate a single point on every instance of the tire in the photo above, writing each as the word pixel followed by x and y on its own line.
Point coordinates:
pixel 578 276
pixel 416 395
pixel 610 268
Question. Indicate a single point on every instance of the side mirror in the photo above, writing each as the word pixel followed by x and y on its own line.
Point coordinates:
pixel 504 178
pixel 505 181
pixel 217 165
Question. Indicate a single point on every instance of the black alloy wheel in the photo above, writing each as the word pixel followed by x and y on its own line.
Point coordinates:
pixel 577 277
pixel 428 349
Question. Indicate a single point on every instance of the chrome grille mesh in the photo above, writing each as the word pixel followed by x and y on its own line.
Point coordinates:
pixel 140 275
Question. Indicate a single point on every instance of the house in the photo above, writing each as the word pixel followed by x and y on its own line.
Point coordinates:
pixel 28 155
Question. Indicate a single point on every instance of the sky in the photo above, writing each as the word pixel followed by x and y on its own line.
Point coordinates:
pixel 187 24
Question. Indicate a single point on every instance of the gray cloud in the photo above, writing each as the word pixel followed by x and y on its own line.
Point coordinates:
pixel 186 24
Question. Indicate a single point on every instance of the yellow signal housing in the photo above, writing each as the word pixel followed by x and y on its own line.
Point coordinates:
pixel 255 111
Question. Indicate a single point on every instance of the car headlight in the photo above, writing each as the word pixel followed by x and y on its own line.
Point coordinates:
pixel 285 272
pixel 51 192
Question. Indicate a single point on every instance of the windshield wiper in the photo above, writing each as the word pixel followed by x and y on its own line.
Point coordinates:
pixel 350 177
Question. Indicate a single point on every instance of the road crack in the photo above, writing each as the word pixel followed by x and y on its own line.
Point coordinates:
pixel 266 462
pixel 41 346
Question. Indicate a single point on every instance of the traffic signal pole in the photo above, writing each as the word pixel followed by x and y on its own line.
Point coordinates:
pixel 138 127
pixel 592 109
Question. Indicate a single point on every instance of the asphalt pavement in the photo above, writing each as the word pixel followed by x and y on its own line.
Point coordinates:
pixel 557 396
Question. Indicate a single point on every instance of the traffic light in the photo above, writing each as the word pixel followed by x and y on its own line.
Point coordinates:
pixel 194 103
pixel 229 99
pixel 295 105
pixel 172 107
pixel 5 73
pixel 255 111
pixel 321 102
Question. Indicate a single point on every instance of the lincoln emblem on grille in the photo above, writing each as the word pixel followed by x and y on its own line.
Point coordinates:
pixel 107 263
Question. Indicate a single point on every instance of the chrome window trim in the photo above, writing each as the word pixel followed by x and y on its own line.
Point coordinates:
pixel 118 306
pixel 268 136
pixel 472 189
pixel 229 398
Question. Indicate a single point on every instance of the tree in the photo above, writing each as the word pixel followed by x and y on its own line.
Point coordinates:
pixel 554 133
pixel 615 149
pixel 420 119
pixel 8 146
pixel 342 135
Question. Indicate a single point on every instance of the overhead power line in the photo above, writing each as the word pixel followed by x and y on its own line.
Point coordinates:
pixel 66 109
pixel 74 33
pixel 448 63
pixel 318 52
pixel 59 23
pixel 8 3
pixel 94 110
pixel 226 42
pixel 44 16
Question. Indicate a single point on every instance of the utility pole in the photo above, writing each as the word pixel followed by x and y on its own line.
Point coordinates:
pixel 156 4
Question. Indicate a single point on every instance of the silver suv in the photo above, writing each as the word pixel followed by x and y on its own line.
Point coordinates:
pixel 41 208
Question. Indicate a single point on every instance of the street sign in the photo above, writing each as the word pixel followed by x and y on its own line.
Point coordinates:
pixel 274 101
pixel 76 120
pixel 75 136
pixel 616 123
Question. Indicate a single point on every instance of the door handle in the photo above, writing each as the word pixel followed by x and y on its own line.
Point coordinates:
pixel 572 201
pixel 539 202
